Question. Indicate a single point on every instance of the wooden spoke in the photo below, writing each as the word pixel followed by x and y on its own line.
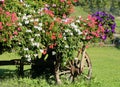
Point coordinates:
pixel 87 66
pixel 70 63
pixel 68 67
pixel 64 72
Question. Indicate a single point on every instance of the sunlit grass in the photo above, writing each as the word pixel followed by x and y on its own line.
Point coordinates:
pixel 106 65
pixel 9 56
pixel 79 11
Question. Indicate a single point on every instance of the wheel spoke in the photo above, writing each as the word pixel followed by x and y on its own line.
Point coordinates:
pixel 68 67
pixel 70 63
pixel 64 72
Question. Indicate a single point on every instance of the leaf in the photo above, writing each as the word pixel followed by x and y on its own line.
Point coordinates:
pixel 39 55
pixel 46 56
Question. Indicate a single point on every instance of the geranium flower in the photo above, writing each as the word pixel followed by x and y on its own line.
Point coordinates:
pixel 62 0
pixel 14 17
pixel 15 33
pixel 7 13
pixel 1 25
pixel 51 26
pixel 75 0
pixel 64 16
pixel 60 35
pixel 44 52
pixel 8 24
pixel 49 12
pixel 51 46
pixel 53 37
pixel 19 29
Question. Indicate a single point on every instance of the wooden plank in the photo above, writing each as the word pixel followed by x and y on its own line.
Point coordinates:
pixel 12 62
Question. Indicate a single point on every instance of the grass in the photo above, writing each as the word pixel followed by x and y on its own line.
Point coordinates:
pixel 106 67
pixel 105 62
pixel 118 25
pixel 79 11
pixel 9 56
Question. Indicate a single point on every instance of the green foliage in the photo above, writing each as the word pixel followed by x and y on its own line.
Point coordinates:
pixel 111 6
pixel 41 82
pixel 49 27
pixel 9 30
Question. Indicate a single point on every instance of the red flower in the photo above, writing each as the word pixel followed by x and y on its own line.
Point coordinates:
pixel 53 37
pixel 71 9
pixel 88 38
pixel 14 17
pixel 87 46
pixel 75 0
pixel 11 36
pixel 68 20
pixel 62 0
pixel 60 35
pixel 8 13
pixel 51 25
pixel 44 52
pixel 51 46
pixel 58 20
pixel 19 29
pixel 69 2
pixel 55 44
pixel 64 16
pixel 49 12
pixel 91 24
pixel 5 40
pixel 1 10
pixel 8 24
pixel 101 28
pixel 15 33
pixel 1 26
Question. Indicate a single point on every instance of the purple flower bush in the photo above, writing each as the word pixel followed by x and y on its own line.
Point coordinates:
pixel 107 21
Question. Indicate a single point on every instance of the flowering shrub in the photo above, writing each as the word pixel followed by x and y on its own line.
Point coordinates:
pixel 61 8
pixel 46 26
pixel 107 21
pixel 43 31
pixel 9 29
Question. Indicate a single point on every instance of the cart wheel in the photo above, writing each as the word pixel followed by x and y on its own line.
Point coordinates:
pixel 71 70
pixel 86 66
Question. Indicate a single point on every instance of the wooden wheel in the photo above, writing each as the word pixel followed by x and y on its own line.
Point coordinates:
pixel 86 66
pixel 72 70
pixel 78 66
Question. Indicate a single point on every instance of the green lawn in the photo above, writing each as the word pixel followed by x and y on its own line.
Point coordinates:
pixel 106 71
pixel 106 65
pixel 79 11
pixel 9 56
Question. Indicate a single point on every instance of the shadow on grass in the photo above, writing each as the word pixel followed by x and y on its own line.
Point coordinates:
pixel 6 73
pixel 116 41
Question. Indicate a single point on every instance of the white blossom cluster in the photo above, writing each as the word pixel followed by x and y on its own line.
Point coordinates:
pixel 76 28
